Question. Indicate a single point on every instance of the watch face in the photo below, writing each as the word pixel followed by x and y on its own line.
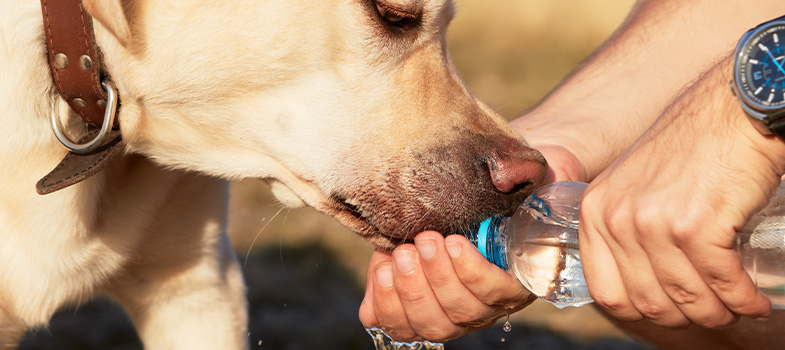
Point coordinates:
pixel 761 67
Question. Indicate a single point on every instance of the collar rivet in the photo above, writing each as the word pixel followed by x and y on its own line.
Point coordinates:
pixel 61 60
pixel 80 102
pixel 86 62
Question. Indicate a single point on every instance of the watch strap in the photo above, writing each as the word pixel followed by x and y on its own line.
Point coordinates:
pixel 778 127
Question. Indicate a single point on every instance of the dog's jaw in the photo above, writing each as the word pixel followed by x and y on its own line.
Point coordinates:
pixel 353 219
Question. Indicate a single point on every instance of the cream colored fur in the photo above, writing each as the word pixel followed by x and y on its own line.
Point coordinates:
pixel 323 99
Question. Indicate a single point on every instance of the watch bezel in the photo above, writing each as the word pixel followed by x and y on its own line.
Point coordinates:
pixel 753 108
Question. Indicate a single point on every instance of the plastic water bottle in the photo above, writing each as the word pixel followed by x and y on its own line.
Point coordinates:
pixel 539 244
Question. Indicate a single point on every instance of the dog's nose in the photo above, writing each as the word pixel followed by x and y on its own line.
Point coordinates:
pixel 516 168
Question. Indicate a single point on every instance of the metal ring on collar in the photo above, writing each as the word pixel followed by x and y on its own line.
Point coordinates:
pixel 106 127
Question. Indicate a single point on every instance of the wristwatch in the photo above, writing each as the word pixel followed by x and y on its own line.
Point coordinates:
pixel 759 76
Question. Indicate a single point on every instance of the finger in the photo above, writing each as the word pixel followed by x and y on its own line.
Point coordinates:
pixel 488 283
pixel 422 308
pixel 722 270
pixel 602 276
pixel 460 305
pixel 367 314
pixel 387 307
pixel 640 281
pixel 685 287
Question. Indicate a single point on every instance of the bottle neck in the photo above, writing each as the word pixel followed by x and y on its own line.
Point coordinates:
pixel 490 238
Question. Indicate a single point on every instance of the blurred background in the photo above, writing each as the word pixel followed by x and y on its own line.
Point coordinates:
pixel 306 273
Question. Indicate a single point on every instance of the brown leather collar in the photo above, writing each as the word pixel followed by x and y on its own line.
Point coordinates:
pixel 75 63
pixel 74 58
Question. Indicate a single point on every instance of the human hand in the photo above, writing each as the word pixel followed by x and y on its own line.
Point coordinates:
pixel 658 226
pixel 437 289
pixel 451 289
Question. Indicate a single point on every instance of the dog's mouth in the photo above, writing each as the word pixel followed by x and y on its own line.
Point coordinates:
pixel 363 222
pixel 447 189
pixel 351 216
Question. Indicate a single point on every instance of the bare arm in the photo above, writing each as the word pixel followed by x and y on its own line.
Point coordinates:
pixel 613 97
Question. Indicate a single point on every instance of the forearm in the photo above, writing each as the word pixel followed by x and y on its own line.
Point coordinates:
pixel 612 98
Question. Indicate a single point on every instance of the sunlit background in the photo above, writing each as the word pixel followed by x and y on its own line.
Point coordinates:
pixel 306 273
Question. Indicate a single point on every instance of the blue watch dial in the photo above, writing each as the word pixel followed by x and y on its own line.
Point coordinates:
pixel 761 67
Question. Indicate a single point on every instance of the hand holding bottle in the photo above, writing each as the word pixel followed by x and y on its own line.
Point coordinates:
pixel 437 289
pixel 658 226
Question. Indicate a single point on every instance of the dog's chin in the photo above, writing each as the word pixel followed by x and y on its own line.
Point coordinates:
pixel 350 217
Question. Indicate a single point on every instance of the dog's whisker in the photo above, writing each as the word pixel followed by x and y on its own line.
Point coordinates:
pixel 250 247
pixel 280 237
pixel 416 224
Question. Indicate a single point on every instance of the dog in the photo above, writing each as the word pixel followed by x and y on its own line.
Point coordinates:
pixel 352 107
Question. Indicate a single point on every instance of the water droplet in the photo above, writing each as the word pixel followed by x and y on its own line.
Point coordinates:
pixel 507 325
pixel 260 343
pixel 503 340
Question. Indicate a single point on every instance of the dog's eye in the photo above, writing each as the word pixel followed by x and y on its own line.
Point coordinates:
pixel 389 14
pixel 394 16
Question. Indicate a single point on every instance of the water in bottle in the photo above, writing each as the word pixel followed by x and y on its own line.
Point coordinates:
pixel 539 244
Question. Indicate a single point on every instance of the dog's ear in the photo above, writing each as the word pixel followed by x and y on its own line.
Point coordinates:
pixel 111 15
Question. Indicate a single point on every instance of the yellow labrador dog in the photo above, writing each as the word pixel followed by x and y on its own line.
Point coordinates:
pixel 352 107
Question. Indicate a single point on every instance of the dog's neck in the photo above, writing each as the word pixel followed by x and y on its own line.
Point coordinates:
pixel 26 94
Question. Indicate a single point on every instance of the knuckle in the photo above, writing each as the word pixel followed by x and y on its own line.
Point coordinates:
pixel 662 314
pixel 414 297
pixel 681 296
pixel 609 303
pixel 651 310
pixel 617 307
pixel 646 219
pixel 684 231
pixel 439 281
pixel 720 284
pixel 472 280
pixel 615 220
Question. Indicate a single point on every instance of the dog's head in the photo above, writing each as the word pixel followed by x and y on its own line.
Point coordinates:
pixel 352 107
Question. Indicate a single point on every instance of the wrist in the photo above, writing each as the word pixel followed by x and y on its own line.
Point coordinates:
pixel 769 146
pixel 757 135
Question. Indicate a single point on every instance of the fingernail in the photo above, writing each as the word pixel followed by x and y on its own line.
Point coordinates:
pixel 454 249
pixel 404 260
pixel 384 276
pixel 761 319
pixel 426 247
